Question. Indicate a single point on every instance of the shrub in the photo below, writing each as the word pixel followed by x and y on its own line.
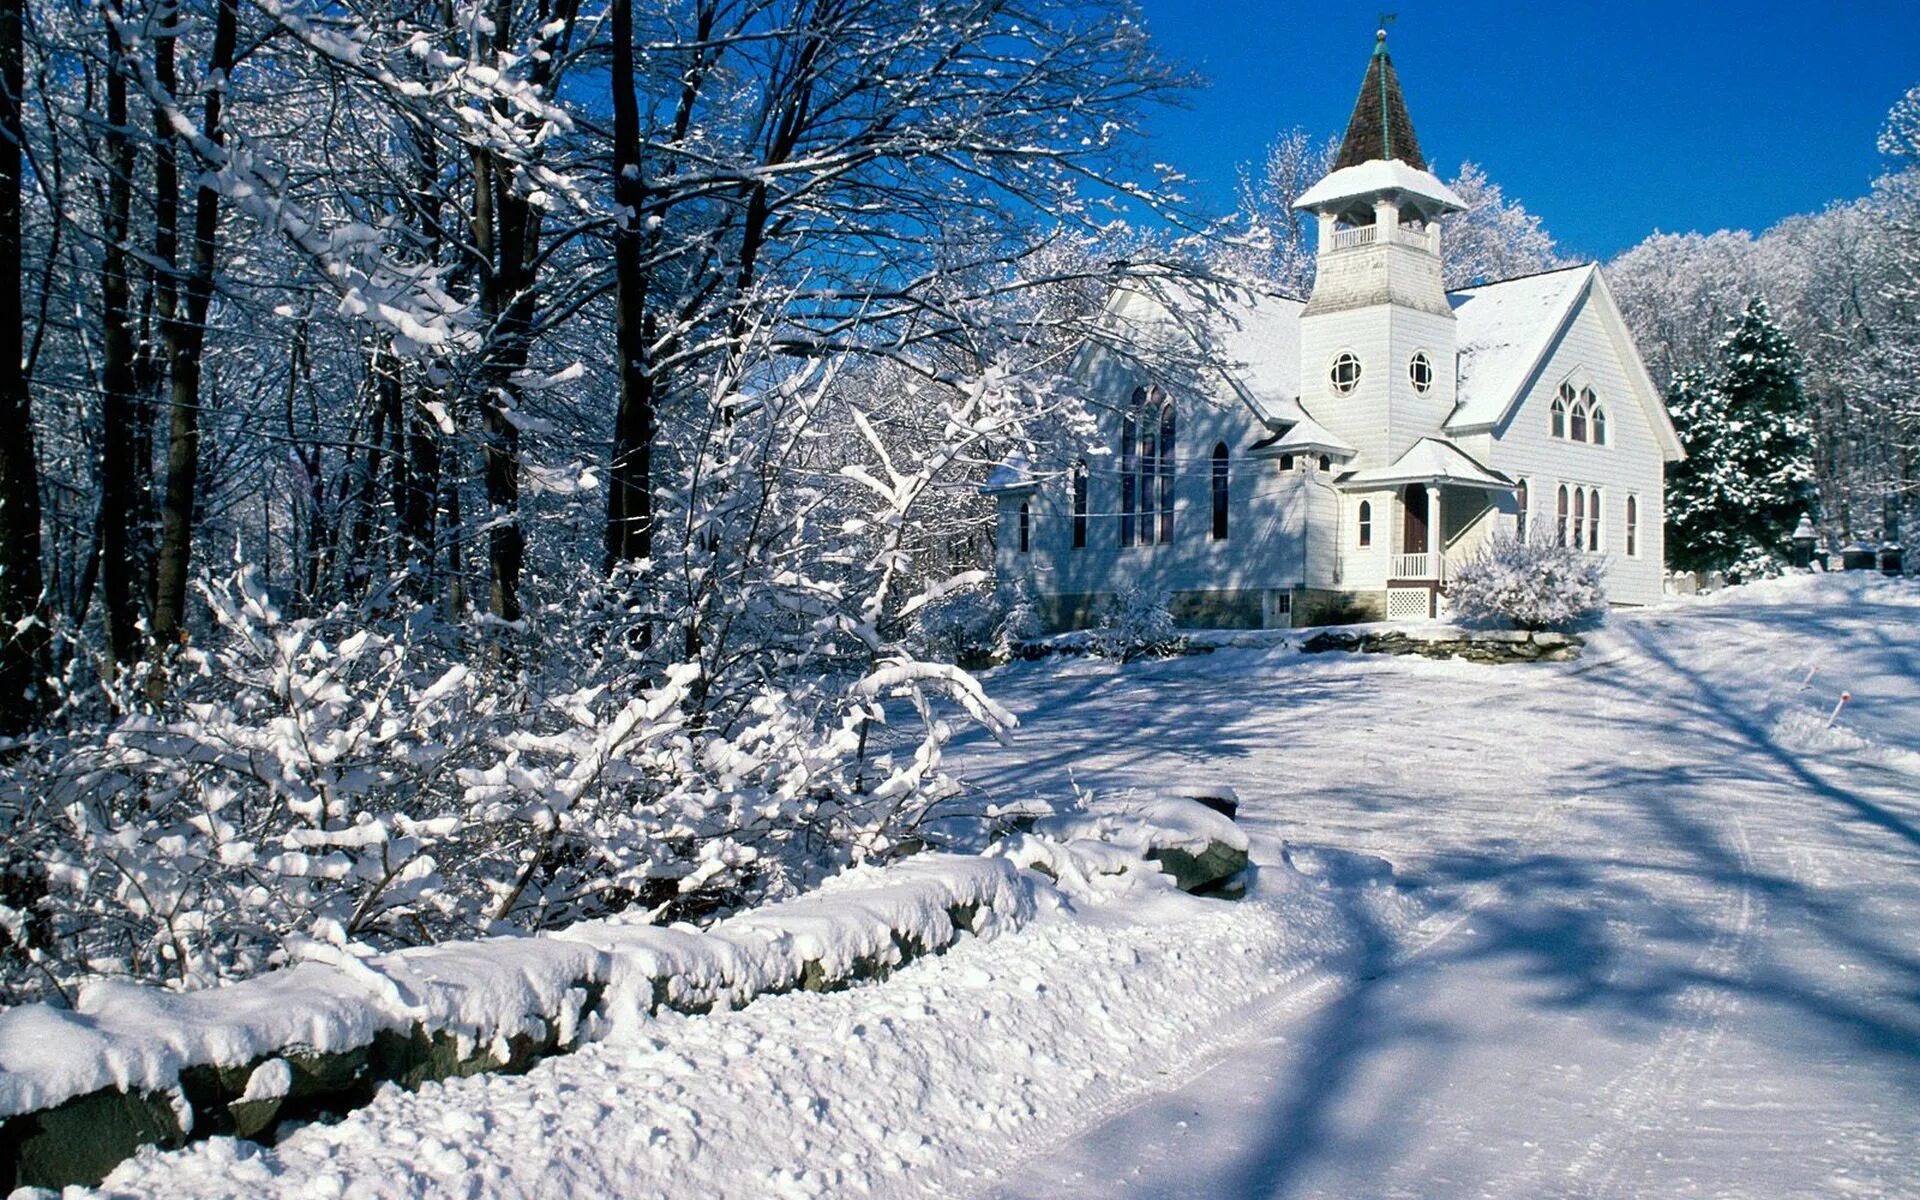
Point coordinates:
pixel 1532 585
pixel 1137 624
pixel 1021 623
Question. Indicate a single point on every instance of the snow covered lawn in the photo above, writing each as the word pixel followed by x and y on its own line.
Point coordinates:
pixel 1651 931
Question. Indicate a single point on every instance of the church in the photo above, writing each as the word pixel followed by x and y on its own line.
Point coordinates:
pixel 1269 462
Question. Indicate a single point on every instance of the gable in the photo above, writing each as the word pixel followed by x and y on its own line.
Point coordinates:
pixel 1209 340
pixel 1510 330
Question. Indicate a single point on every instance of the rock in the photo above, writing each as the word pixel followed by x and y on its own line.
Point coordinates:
pixel 88 1136
pixel 1193 842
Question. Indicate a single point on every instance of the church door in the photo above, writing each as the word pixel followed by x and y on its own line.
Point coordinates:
pixel 1414 501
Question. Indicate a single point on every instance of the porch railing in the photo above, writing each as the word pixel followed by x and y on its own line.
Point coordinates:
pixel 1420 566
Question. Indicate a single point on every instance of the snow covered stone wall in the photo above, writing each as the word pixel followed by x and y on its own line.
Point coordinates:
pixel 82 1089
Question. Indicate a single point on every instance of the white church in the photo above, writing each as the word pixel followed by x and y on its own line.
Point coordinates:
pixel 1267 461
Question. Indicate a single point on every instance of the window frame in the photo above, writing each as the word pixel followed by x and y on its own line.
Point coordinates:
pixel 1417 365
pixel 1336 371
pixel 1025 522
pixel 1364 524
pixel 1633 525
pixel 1520 500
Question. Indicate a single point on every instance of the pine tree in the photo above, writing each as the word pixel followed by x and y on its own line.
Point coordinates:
pixel 1748 475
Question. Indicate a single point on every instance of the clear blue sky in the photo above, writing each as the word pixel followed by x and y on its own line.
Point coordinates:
pixel 1609 120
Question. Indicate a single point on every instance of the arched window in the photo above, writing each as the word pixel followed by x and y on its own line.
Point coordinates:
pixel 1633 527
pixel 1079 506
pixel 1560 517
pixel 1326 464
pixel 1220 492
pixel 1286 462
pixel 1599 425
pixel 1366 523
pixel 1520 511
pixel 1579 518
pixel 1559 417
pixel 1166 460
pixel 1146 469
pixel 1593 519
pixel 1580 421
pixel 1026 527
pixel 1129 466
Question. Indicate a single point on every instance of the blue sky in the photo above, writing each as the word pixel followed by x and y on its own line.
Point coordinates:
pixel 1609 120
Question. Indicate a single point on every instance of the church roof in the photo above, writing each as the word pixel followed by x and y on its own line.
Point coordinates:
pixel 1373 178
pixel 1380 127
pixel 1505 329
pixel 1249 341
pixel 1430 460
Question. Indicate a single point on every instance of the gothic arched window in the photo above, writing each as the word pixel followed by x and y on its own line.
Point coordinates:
pixel 1560 517
pixel 1633 527
pixel 1593 520
pixel 1559 417
pixel 1366 523
pixel 1079 506
pixel 1146 468
pixel 1026 527
pixel 1579 433
pixel 1220 492
pixel 1598 421
pixel 1520 511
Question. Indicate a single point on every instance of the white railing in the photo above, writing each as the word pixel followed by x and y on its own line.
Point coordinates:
pixel 1420 566
pixel 1367 235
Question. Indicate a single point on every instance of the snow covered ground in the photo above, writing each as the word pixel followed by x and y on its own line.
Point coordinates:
pixel 1653 929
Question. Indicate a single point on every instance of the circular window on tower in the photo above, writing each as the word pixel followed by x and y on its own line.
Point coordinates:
pixel 1346 373
pixel 1420 372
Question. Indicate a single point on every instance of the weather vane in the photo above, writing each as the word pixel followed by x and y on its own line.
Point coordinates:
pixel 1386 19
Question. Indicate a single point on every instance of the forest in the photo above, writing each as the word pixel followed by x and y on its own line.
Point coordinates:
pixel 480 465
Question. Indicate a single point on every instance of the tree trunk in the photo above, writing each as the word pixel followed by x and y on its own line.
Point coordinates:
pixel 23 632
pixel 185 337
pixel 629 534
pixel 119 470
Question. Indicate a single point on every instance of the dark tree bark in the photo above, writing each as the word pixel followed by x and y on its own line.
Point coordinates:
pixel 23 634
pixel 185 335
pixel 629 487
pixel 120 470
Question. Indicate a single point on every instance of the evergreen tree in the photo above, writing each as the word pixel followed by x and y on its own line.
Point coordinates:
pixel 1748 475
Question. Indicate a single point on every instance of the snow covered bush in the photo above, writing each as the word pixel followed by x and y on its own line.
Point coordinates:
pixel 962 627
pixel 1533 585
pixel 1021 623
pixel 1136 625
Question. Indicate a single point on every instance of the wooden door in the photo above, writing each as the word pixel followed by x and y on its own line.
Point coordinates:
pixel 1414 503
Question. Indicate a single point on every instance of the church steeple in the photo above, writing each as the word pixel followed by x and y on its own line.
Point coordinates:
pixel 1377 337
pixel 1380 127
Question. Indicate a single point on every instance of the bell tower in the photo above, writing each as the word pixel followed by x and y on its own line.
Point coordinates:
pixel 1377 338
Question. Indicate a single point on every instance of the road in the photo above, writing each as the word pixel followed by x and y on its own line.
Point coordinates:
pixel 1674 942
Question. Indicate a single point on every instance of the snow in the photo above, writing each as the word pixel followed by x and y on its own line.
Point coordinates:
pixel 1376 176
pixel 1505 329
pixel 1633 925
pixel 1252 340
pixel 1432 460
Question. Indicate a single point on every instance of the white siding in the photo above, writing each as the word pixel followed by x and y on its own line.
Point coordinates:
pixel 1630 462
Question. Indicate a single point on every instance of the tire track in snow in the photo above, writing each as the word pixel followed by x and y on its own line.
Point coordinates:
pixel 1647 1098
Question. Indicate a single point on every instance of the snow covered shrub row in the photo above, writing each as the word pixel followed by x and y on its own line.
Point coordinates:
pixel 327 786
pixel 1532 585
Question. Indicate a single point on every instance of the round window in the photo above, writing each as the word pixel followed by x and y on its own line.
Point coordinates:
pixel 1346 373
pixel 1420 372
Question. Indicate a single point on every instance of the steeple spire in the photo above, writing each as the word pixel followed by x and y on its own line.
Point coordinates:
pixel 1380 127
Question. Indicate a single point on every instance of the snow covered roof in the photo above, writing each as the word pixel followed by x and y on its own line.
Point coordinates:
pixel 1248 340
pixel 1430 460
pixel 1380 175
pixel 1506 330
pixel 1014 473
pixel 1306 436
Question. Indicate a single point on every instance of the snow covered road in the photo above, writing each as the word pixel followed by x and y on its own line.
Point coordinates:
pixel 1687 956
pixel 1654 929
